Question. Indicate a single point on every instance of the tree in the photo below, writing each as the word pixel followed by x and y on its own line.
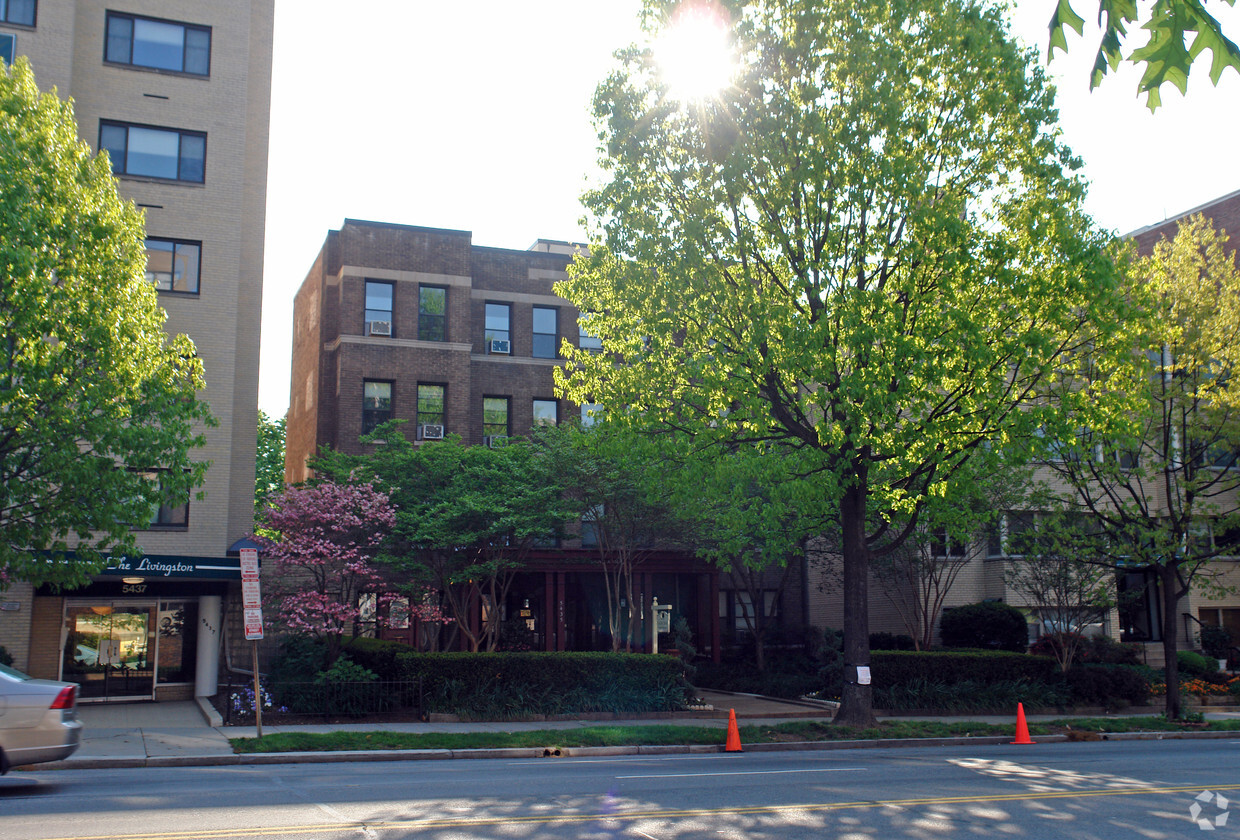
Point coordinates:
pixel 326 538
pixel 1163 488
pixel 1052 573
pixel 467 518
pixel 269 470
pixel 1164 55
pixel 952 532
pixel 614 478
pixel 866 249
pixel 745 514
pixel 98 407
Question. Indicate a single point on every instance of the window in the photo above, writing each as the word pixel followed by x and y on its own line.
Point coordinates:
pixel 155 152
pixel 546 332
pixel 497 318
pixel 590 527
pixel 159 44
pixel 172 265
pixel 378 307
pixel 494 417
pixel 942 545
pixel 585 339
pixel 431 404
pixel 164 514
pixel 17 11
pixel 590 413
pixel 546 412
pixel 8 47
pixel 432 313
pixel 376 404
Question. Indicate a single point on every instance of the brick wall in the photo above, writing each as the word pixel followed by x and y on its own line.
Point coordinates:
pixel 45 623
pixel 15 623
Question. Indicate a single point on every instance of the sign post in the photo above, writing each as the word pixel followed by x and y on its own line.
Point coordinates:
pixel 252 605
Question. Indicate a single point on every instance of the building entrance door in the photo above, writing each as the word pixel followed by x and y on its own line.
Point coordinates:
pixel 109 650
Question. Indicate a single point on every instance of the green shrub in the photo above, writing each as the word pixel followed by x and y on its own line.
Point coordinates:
pixel 744 678
pixel 521 684
pixel 967 696
pixel 1104 650
pixel 350 689
pixel 892 668
pixel 1215 641
pixel 1106 685
pixel 1193 664
pixel 298 660
pixel 891 641
pixel 990 625
pixel 379 655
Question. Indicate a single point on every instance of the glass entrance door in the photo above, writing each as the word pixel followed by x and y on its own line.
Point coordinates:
pixel 109 650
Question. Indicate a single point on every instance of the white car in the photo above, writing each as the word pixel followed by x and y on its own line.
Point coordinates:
pixel 38 720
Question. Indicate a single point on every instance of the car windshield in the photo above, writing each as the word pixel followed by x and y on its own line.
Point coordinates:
pixel 14 673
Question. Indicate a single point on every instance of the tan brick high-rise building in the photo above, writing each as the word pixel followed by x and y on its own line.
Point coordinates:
pixel 179 93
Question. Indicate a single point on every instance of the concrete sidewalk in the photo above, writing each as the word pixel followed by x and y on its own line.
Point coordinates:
pixel 190 732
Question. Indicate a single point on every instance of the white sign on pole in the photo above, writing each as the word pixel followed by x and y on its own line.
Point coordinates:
pixel 251 601
pixel 253 624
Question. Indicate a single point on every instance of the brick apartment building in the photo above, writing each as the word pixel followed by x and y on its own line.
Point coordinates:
pixel 419 324
pixel 179 93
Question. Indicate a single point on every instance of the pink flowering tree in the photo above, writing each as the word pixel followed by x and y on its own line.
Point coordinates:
pixel 321 541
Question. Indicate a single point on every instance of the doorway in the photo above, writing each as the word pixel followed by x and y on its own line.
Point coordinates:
pixel 109 650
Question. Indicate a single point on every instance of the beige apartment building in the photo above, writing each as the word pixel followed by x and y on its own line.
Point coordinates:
pixel 179 93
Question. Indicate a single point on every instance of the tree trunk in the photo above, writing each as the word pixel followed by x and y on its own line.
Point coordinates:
pixel 857 702
pixel 1170 627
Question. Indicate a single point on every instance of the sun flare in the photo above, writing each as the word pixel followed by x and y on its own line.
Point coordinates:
pixel 694 53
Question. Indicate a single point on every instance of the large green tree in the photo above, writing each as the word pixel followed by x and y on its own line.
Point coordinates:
pixel 1164 56
pixel 1163 493
pixel 269 463
pixel 98 406
pixel 467 518
pixel 866 248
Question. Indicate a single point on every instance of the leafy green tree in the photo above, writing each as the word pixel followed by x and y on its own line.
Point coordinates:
pixel 1051 572
pixel 1163 489
pixel 467 517
pixel 98 406
pixel 743 512
pixel 1165 56
pixel 269 469
pixel 866 249
pixel 952 532
pixel 616 480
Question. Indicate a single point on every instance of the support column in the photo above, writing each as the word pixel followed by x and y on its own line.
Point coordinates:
pixel 210 621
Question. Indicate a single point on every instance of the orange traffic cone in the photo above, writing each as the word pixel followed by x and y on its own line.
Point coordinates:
pixel 734 734
pixel 1022 728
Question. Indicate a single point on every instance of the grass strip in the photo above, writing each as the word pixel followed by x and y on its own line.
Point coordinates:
pixel 615 736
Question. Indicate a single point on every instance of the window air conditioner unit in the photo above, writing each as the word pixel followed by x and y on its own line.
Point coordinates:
pixel 502 346
pixel 431 431
pixel 492 441
pixel 378 327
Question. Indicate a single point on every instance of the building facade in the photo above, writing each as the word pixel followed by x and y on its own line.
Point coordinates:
pixel 395 322
pixel 178 92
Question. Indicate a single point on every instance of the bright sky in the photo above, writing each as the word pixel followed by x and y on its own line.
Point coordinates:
pixel 474 115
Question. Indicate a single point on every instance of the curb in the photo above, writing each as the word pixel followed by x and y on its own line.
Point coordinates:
pixel 254 759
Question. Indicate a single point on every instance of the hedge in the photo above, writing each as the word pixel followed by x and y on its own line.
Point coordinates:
pixel 514 684
pixel 890 668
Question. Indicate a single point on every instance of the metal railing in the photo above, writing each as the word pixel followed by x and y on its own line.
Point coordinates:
pixel 326 701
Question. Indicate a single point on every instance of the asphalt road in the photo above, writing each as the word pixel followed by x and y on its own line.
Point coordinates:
pixel 1086 790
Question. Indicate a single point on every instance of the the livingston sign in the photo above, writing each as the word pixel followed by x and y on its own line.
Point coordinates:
pixel 174 566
